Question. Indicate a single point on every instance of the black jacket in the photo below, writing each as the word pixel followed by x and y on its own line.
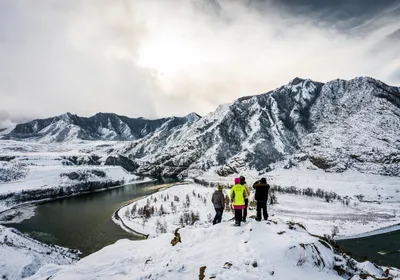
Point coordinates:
pixel 261 191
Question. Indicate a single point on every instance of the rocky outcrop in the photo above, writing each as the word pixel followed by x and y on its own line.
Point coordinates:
pixel 122 161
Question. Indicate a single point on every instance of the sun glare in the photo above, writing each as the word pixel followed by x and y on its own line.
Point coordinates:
pixel 169 54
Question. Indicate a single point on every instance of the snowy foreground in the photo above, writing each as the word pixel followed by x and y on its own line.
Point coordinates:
pixel 21 256
pixel 265 250
pixel 280 249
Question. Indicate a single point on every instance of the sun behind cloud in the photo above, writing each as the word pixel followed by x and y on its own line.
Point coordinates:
pixel 169 54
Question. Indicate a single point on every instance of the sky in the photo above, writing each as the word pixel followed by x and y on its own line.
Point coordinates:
pixel 158 58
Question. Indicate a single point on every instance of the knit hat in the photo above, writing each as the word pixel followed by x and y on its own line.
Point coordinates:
pixel 220 187
pixel 237 180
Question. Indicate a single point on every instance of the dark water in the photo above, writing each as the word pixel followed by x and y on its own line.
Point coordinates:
pixel 370 246
pixel 84 222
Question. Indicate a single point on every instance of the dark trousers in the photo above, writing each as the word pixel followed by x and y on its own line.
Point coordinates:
pixel 218 215
pixel 246 205
pixel 238 216
pixel 262 205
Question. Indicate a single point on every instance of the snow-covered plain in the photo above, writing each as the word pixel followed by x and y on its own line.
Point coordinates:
pixel 21 256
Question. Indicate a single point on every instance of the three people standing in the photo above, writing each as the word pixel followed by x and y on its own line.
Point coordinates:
pixel 239 196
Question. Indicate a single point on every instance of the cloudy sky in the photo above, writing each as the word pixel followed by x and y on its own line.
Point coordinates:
pixel 156 58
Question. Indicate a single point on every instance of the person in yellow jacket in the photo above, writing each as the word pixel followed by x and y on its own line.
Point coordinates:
pixel 238 195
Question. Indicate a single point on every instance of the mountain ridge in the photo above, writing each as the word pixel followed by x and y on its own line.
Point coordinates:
pixel 335 126
pixel 101 126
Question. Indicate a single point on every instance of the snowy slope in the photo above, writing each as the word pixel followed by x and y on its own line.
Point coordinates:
pixel 21 257
pixel 272 250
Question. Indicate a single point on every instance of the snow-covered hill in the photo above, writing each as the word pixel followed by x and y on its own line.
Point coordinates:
pixel 21 257
pixel 102 126
pixel 266 250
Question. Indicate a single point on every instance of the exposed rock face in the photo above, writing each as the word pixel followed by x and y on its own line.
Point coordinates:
pixel 122 161
pixel 81 160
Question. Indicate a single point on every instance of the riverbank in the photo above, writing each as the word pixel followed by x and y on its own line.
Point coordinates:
pixel 13 201
pixel 379 231
pixel 120 221
pixel 164 211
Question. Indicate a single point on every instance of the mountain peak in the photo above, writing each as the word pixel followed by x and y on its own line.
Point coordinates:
pixel 66 116
pixel 297 81
pixel 192 117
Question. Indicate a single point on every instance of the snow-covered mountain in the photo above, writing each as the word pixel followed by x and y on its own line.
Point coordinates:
pixel 102 126
pixel 334 126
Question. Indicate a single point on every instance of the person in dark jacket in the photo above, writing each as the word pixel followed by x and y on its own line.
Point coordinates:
pixel 218 200
pixel 261 196
pixel 246 200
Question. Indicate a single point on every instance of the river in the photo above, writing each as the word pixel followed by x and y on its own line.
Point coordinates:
pixel 83 222
pixel 369 247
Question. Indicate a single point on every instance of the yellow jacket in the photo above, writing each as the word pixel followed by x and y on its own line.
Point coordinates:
pixel 238 194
